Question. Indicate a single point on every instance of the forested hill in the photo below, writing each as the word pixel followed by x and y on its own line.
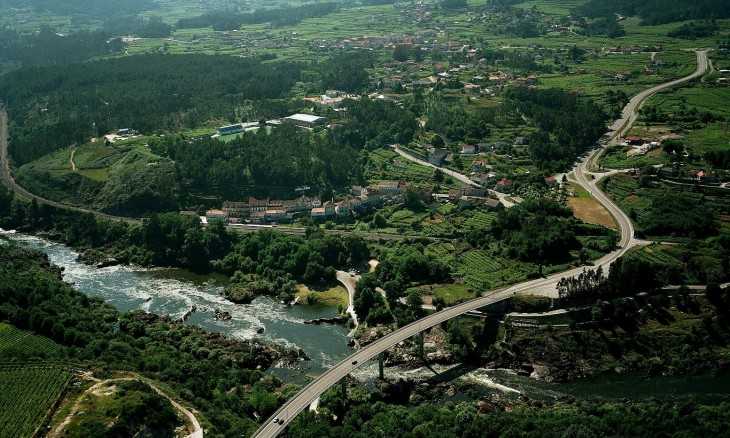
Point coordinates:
pixel 83 7
pixel 654 12
pixel 53 107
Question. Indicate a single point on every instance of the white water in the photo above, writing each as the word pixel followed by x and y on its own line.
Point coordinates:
pixel 173 292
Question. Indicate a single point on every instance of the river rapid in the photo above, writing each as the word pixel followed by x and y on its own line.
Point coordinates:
pixel 174 292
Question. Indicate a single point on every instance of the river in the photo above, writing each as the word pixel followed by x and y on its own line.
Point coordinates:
pixel 173 292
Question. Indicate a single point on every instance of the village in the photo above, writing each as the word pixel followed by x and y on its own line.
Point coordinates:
pixel 358 202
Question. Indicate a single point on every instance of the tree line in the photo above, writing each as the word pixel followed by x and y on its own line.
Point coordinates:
pixel 654 12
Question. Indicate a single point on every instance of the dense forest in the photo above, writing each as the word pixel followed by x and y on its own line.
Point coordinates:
pixel 225 20
pixel 654 12
pixel 541 231
pixel 568 124
pixel 263 164
pixel 276 163
pixel 362 416
pixel 54 107
pixel 47 47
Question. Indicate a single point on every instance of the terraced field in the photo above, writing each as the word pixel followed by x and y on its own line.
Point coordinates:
pixel 480 220
pixel 19 344
pixel 27 394
pixel 387 165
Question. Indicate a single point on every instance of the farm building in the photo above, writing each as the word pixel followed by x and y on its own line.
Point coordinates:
pixel 305 120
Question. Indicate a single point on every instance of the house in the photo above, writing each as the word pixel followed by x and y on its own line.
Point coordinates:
pixel 491 202
pixel 480 164
pixel 275 215
pixel 472 88
pixel 469 149
pixel 385 188
pixel 212 216
pixel 325 212
pixel 305 120
pixel 634 140
pixel 237 209
pixel 437 156
pixel 551 181
pixel 504 183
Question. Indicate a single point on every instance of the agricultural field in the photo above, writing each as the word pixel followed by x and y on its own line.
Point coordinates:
pixel 27 394
pixel 384 164
pixel 16 344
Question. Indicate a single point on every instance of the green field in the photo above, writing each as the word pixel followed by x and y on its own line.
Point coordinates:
pixel 27 394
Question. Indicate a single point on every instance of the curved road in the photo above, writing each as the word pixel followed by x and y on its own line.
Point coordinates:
pixel 276 423
pixel 7 178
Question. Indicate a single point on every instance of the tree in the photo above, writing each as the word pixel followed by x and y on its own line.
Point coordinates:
pixel 401 52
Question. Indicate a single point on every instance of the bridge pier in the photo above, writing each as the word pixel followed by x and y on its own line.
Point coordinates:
pixel 381 366
pixel 421 340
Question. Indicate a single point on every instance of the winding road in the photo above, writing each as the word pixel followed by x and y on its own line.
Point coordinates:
pixel 545 286
pixel 7 179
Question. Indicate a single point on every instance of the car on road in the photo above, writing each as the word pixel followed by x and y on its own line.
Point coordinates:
pixel 278 421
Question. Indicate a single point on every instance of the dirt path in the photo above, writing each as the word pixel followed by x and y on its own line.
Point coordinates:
pixel 98 389
pixel 73 165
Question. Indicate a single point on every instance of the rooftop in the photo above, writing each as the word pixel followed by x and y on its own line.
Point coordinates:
pixel 307 118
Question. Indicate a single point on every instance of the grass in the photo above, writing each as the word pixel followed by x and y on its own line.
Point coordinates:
pixel 27 394
pixel 335 296
pixel 450 293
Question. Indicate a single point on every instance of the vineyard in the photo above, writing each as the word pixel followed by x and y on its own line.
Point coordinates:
pixel 21 345
pixel 27 393
pixel 483 271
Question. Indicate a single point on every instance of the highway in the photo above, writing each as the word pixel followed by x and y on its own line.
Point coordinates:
pixel 277 422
